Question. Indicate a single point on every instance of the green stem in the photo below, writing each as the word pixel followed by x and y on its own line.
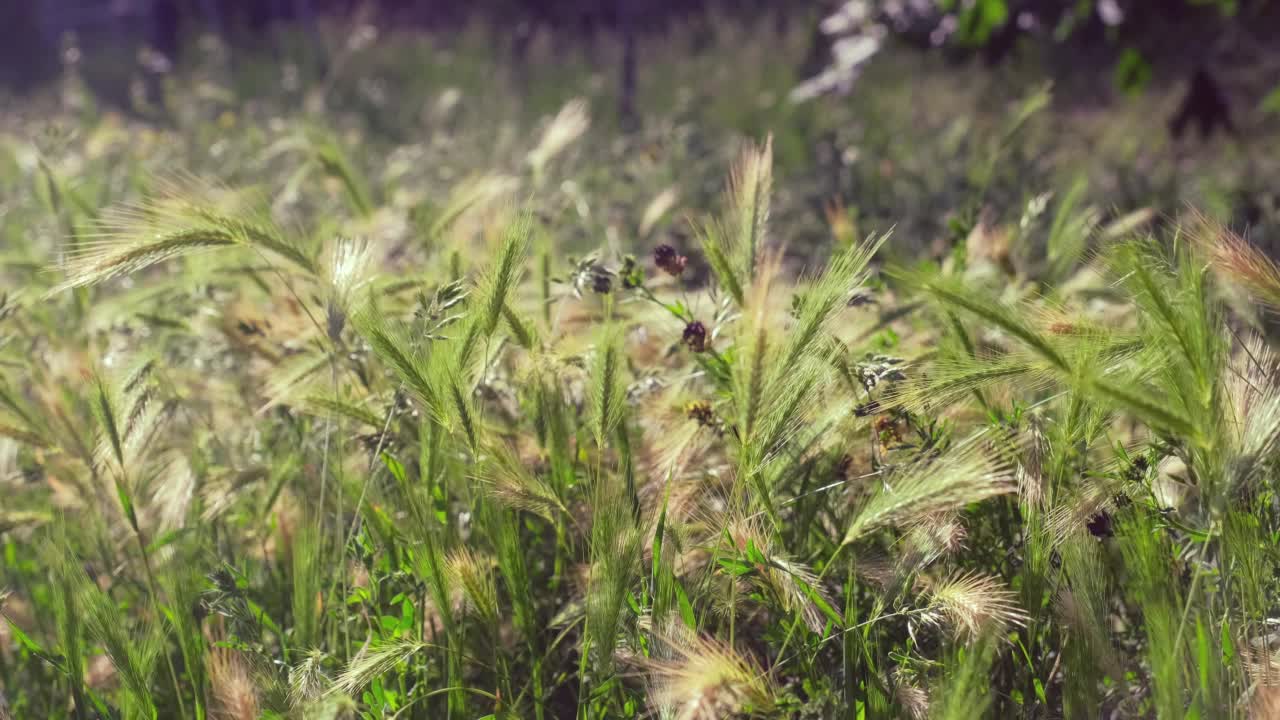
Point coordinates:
pixel 155 603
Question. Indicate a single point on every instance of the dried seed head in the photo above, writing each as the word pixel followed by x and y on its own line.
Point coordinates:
pixel 472 575
pixel 702 678
pixel 234 695
pixel 913 700
pixel 700 412
pixel 971 603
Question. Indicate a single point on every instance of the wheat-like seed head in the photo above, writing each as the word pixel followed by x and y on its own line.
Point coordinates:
pixel 472 574
pixel 972 604
pixel 750 189
pixel 1262 667
pixel 657 208
pixel 468 202
pixel 704 679
pixel 462 413
pixel 174 489
pixel 616 545
pixel 1265 703
pixel 503 276
pixel 912 698
pixel 1251 379
pixel 308 681
pixel 221 492
pixel 1237 259
pixel 935 535
pixel 607 391
pixel 794 584
pixel 348 266
pixel 132 651
pixel 374 661
pixel 826 295
pixel 968 472
pixel 514 484
pixel 566 127
pixel 391 342
pixel 93 264
pixel 178 222
pixel 233 692
pixel 674 444
pixel 294 376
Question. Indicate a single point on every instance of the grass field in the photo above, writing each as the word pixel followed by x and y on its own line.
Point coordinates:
pixel 414 387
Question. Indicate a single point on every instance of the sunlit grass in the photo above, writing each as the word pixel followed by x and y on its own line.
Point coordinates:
pixel 521 417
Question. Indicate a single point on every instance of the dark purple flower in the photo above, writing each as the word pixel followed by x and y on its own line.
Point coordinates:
pixel 669 260
pixel 1100 525
pixel 601 282
pixel 695 336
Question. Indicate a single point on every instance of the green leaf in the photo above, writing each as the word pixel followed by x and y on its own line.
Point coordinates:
pixel 407 614
pixel 1228 647
pixel 264 618
pixel 686 608
pixel 1204 657
pixel 31 645
pixel 1270 104
pixel 102 408
pixel 126 502
pixel 658 532
pixel 817 599
pixel 166 539
pixel 736 567
pixel 1133 72
pixel 980 19
pixel 393 465
pixel 390 624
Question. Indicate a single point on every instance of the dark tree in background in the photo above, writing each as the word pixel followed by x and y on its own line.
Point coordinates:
pixel 1126 43
pixel 26 58
pixel 1093 47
